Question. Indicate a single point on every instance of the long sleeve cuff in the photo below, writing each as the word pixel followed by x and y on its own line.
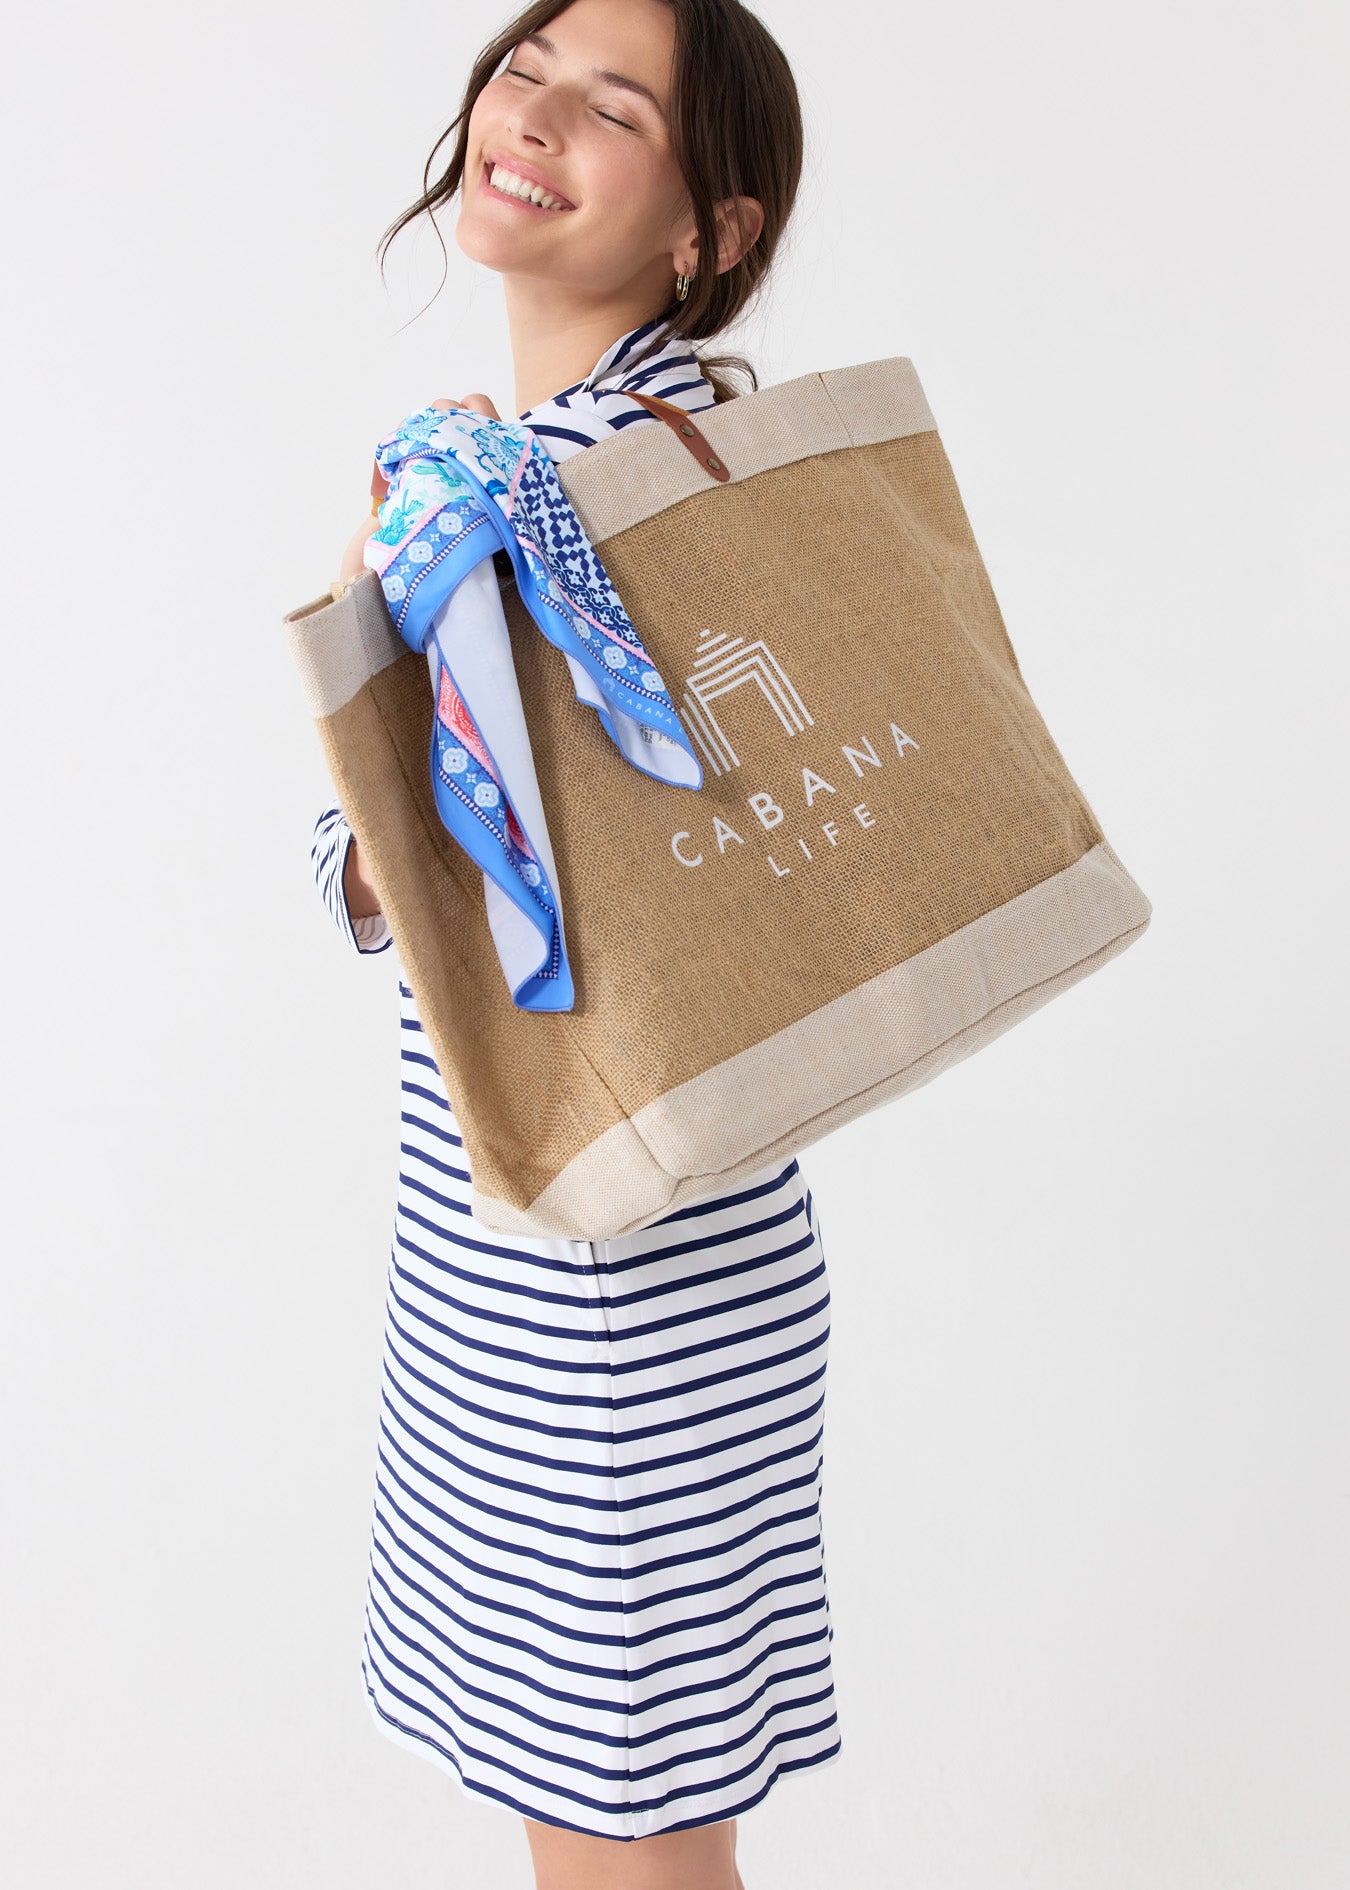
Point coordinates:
pixel 332 843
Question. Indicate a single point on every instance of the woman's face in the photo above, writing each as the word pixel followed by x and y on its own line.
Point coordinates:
pixel 601 146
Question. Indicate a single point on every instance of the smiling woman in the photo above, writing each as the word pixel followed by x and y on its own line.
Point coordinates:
pixel 672 131
pixel 597 1588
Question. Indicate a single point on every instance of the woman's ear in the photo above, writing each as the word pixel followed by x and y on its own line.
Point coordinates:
pixel 739 222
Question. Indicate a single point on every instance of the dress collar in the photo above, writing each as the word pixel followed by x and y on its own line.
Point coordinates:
pixel 614 361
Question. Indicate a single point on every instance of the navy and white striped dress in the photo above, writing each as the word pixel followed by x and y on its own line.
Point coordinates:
pixel 597 1584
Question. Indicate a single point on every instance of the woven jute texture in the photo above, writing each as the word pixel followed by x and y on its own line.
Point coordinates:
pixel 888 862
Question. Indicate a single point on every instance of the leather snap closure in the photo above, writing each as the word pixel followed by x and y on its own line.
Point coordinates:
pixel 683 426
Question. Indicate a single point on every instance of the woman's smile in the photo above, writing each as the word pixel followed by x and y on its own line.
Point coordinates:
pixel 522 183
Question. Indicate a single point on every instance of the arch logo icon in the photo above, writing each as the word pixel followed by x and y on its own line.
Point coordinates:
pixel 724 663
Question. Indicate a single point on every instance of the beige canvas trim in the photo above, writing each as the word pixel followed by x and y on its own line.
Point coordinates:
pixel 889 1036
pixel 339 645
pixel 816 413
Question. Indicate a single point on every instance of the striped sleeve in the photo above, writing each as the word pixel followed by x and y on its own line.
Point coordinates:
pixel 328 854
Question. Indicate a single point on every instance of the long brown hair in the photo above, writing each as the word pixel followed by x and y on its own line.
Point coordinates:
pixel 736 131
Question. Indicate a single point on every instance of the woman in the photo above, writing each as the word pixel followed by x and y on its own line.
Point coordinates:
pixel 597 1589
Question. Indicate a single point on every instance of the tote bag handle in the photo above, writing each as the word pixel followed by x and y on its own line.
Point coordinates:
pixel 682 426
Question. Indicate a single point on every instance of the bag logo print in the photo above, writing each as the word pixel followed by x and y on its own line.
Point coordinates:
pixel 722 664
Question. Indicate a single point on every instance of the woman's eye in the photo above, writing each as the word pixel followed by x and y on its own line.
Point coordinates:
pixel 516 72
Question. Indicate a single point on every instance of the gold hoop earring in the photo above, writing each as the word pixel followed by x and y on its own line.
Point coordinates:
pixel 682 286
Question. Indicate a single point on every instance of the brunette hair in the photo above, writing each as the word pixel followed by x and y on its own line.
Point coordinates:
pixel 735 129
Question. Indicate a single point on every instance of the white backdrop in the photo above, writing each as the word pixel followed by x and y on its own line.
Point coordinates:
pixel 1087 1477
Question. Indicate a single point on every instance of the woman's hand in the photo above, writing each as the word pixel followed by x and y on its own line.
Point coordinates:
pixel 480 403
pixel 353 558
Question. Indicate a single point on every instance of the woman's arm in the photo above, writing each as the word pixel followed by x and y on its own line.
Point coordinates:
pixel 347 894
pixel 353 558
pixel 362 900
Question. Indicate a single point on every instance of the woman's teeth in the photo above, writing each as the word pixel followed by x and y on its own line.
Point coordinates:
pixel 514 186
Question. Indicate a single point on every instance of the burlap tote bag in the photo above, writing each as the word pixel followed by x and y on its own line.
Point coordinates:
pixel 888 863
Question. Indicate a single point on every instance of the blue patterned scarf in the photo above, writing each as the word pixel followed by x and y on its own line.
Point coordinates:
pixel 462 485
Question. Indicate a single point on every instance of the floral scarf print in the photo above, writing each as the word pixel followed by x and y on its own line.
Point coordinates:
pixel 460 486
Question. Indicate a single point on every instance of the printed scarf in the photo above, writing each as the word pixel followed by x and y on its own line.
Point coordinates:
pixel 461 486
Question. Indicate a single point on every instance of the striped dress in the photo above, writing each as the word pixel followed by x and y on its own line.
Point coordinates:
pixel 596 1588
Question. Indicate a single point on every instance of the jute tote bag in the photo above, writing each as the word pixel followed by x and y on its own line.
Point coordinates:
pixel 888 863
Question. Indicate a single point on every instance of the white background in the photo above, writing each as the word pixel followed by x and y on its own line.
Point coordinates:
pixel 1087 1478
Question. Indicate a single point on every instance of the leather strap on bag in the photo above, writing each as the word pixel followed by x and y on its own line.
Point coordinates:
pixel 682 426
